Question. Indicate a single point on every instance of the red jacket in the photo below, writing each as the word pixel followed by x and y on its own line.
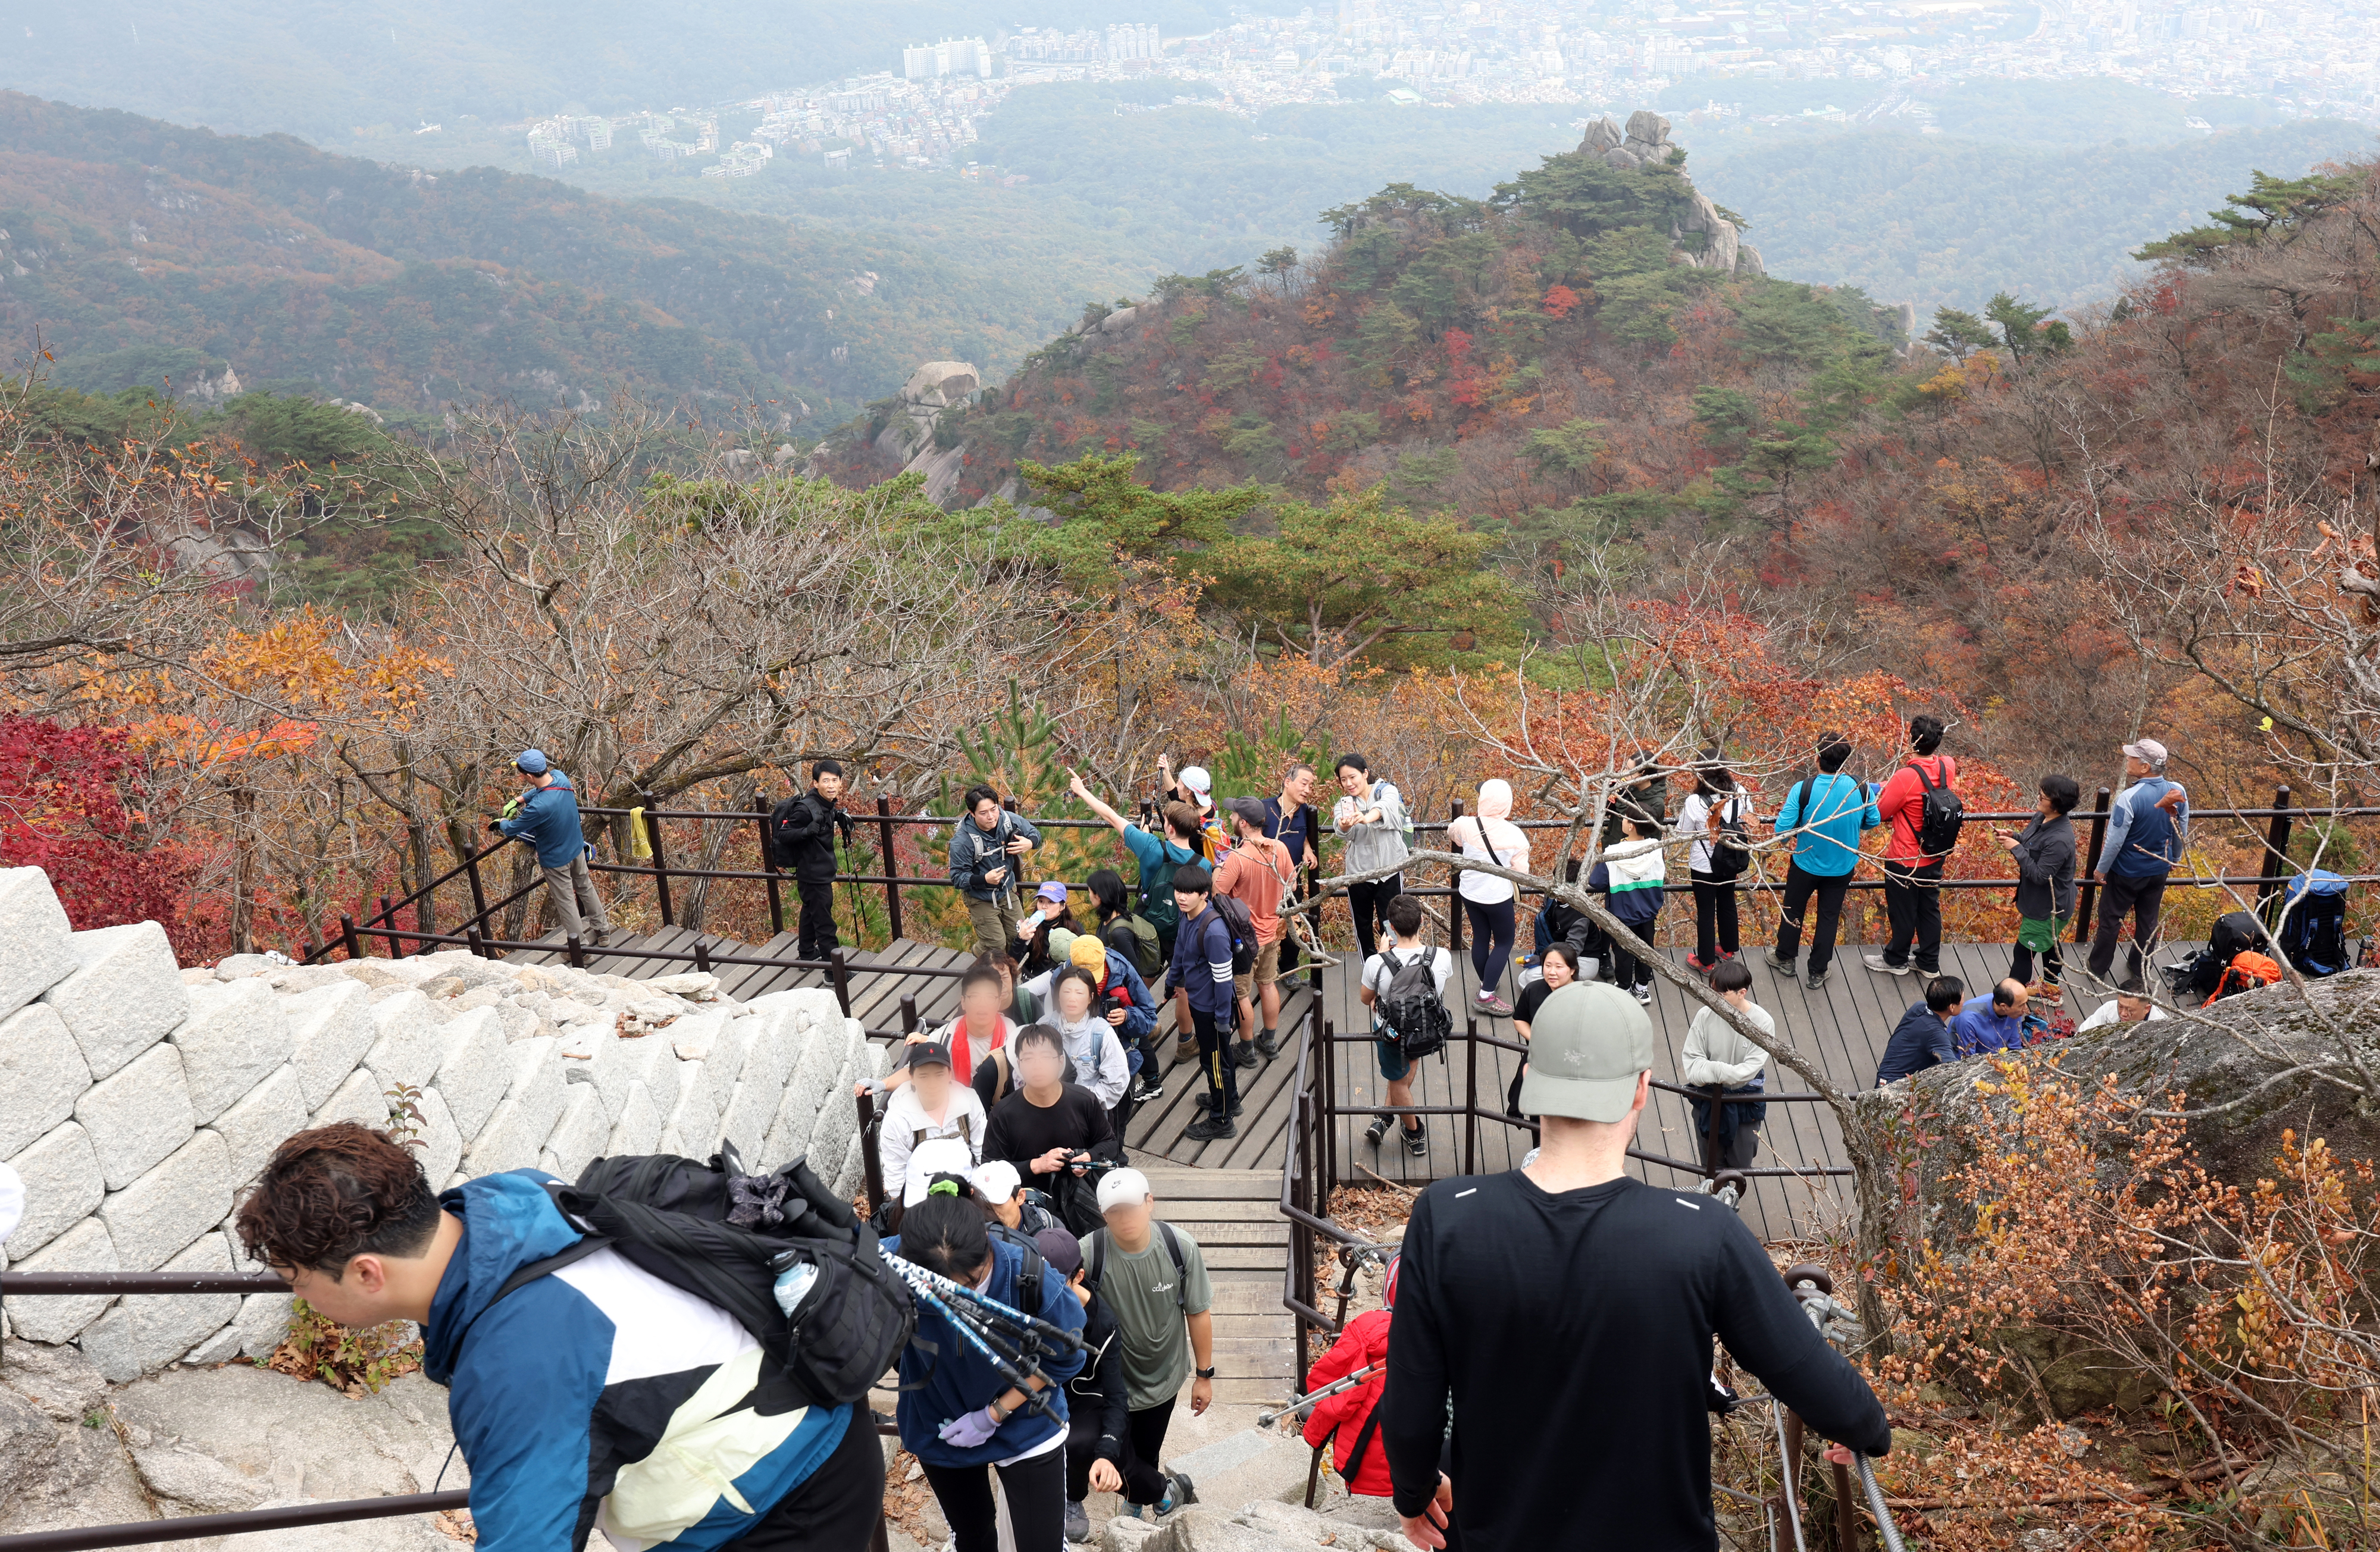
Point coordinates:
pixel 1902 804
pixel 1365 1340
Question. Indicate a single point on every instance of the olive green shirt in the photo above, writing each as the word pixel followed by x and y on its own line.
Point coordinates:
pixel 1138 1289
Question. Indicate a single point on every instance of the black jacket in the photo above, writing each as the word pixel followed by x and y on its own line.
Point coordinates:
pixel 2044 868
pixel 1097 1393
pixel 805 837
pixel 1920 1041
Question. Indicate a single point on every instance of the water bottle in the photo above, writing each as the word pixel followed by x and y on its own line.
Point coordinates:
pixel 793 1284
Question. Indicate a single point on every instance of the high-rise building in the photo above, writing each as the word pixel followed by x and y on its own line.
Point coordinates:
pixel 952 57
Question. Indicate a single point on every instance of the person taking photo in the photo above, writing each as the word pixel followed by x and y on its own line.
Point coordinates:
pixel 986 847
pixel 546 816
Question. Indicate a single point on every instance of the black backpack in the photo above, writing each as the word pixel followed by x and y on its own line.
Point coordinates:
pixel 1098 1261
pixel 724 1236
pixel 1028 1276
pixel 1730 852
pixel 781 833
pixel 1134 937
pixel 1412 1007
pixel 1243 928
pixel 1939 821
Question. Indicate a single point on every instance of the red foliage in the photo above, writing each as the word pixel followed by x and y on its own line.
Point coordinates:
pixel 1558 301
pixel 74 802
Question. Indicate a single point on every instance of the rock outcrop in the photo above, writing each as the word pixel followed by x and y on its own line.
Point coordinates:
pixel 138 1100
pixel 908 435
pixel 1706 239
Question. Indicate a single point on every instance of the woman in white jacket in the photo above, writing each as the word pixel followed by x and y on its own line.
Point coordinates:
pixel 1091 1040
pixel 1490 836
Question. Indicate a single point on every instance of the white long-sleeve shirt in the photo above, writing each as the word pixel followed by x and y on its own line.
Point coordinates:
pixel 1715 1053
pixel 906 1124
pixel 1097 1054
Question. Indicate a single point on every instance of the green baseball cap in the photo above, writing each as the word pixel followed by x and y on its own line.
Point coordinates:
pixel 1588 1046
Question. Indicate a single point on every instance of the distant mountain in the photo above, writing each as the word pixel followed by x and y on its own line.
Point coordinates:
pixel 407 291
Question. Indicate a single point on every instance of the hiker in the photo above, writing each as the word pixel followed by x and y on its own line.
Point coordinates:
pixel 1098 1409
pixel 1153 1277
pixel 1047 1125
pixel 1350 1422
pixel 986 848
pixel 1630 875
pixel 1646 790
pixel 586 1397
pixel 1713 814
pixel 1370 817
pixel 1023 1004
pixel 2043 854
pixel 1404 974
pixel 1922 1038
pixel 979 1029
pixel 1290 819
pixel 928 1107
pixel 1596 1297
pixel 1194 790
pixel 1123 1001
pixel 1913 873
pixel 958 1414
pixel 1157 856
pixel 1036 947
pixel 2131 1006
pixel 1490 836
pixel 2146 827
pixel 803 828
pixel 546 816
pixel 1126 932
pixel 1079 1014
pixel 1824 814
pixel 1717 1055
pixel 1259 874
pixel 1008 1202
pixel 1201 971
pixel 1558 967
pixel 1992 1023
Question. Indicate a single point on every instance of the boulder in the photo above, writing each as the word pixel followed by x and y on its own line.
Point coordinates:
pixel 137 1116
pixel 42 1071
pixel 578 1137
pixel 693 1125
pixel 261 1122
pixel 170 1207
pixel 638 1130
pixel 34 956
pixel 938 384
pixel 260 1327
pixel 125 995
pixel 361 1099
pixel 408 1039
pixel 1649 128
pixel 61 1317
pixel 441 1142
pixel 1601 135
pixel 235 1035
pixel 533 1102
pixel 474 1068
pixel 148 1331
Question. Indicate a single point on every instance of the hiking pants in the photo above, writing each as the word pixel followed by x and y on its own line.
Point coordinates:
pixel 817 926
pixel 571 900
pixel 2139 896
pixel 1036 1491
pixel 1798 887
pixel 995 921
pixel 1215 1063
pixel 1143 1483
pixel 1369 905
pixel 1912 899
pixel 1493 932
pixel 1714 916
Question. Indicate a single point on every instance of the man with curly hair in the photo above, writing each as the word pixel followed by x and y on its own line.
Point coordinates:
pixel 586 1393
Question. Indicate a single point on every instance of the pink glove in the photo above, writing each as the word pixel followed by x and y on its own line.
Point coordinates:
pixel 971 1430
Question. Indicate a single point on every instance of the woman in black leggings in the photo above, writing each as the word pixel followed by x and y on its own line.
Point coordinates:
pixel 965 1416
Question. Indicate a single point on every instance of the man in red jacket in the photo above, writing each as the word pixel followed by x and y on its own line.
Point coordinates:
pixel 1344 1420
pixel 1912 880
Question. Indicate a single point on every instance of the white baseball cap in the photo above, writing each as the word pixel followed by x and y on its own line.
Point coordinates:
pixel 995 1179
pixel 942 1156
pixel 1122 1187
pixel 1196 778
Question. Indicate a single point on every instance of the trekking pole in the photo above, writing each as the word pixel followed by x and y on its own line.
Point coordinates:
pixel 993 1310
pixel 1037 1400
pixel 1267 1419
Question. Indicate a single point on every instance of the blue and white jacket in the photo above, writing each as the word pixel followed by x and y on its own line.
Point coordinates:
pixel 598 1395
pixel 1631 873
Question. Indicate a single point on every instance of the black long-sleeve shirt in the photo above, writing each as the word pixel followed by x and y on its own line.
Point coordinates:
pixel 1574 1334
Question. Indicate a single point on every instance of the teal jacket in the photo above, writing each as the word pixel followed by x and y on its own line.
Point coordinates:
pixel 1825 815
pixel 548 820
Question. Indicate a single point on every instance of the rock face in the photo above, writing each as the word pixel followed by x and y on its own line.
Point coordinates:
pixel 909 434
pixel 1365 1524
pixel 139 1100
pixel 1706 239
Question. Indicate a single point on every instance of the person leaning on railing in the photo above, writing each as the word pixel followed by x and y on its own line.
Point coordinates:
pixel 546 816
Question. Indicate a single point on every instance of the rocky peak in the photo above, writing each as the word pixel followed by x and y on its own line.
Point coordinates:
pixel 1704 238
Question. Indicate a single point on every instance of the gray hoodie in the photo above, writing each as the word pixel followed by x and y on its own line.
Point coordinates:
pixel 1373 846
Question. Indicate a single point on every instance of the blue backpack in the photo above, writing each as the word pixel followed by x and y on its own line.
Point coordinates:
pixel 2313 932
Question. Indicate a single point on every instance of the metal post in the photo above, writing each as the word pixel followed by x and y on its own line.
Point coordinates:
pixel 870 1162
pixel 842 980
pixel 891 874
pixel 388 919
pixel 661 859
pixel 908 1013
pixel 1470 1096
pixel 576 954
pixel 1710 1134
pixel 1846 1538
pixel 348 939
pixel 702 956
pixel 1454 889
pixel 2277 856
pixel 1326 1052
pixel 478 892
pixel 769 865
pixel 2089 884
pixel 471 936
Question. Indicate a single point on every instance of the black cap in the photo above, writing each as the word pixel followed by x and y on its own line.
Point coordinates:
pixel 928 1053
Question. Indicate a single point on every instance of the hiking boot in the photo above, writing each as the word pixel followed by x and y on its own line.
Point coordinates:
pixel 1181 1492
pixel 1207 1129
pixel 1416 1141
pixel 1700 965
pixel 1184 1052
pixel 1243 1053
pixel 1816 981
pixel 1377 1130
pixel 1782 966
pixel 1078 1523
pixel 1885 966
pixel 1269 1044
pixel 1494 1006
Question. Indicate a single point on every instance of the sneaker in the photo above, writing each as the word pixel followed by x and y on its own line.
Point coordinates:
pixel 1377 1130
pixel 1700 965
pixel 1645 994
pixel 1885 966
pixel 1725 954
pixel 1416 1140
pixel 1494 1006
pixel 1243 1053
pixel 1183 1491
pixel 1782 966
pixel 1207 1129
pixel 1269 1044
pixel 1078 1523
pixel 1149 1093
pixel 1817 982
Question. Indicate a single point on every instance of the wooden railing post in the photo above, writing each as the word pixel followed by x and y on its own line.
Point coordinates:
pixel 661 859
pixel 471 936
pixel 2277 858
pixel 1454 887
pixel 575 953
pixel 1326 1052
pixel 388 919
pixel 2090 859
pixel 892 873
pixel 349 939
pixel 842 974
pixel 479 890
pixel 769 865
pixel 908 1013
pixel 702 956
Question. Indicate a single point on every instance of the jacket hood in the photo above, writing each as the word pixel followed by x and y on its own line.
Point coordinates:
pixel 1621 850
pixel 508 1221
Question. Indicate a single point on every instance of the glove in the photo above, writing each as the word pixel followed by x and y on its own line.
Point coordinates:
pixel 495 826
pixel 965 1432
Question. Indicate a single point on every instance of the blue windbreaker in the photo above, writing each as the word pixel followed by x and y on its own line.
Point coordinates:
pixel 957 1379
pixel 599 1396
pixel 548 820
pixel 1825 815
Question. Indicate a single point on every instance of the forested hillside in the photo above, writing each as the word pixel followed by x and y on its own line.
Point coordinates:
pixel 409 290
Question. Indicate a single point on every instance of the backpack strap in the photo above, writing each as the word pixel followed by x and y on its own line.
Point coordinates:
pixel 999 1058
pixel 1924 782
pixel 1181 1268
pixel 1098 1256
pixel 523 1276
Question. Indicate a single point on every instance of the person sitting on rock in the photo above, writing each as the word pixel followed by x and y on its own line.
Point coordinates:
pixel 595 1396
